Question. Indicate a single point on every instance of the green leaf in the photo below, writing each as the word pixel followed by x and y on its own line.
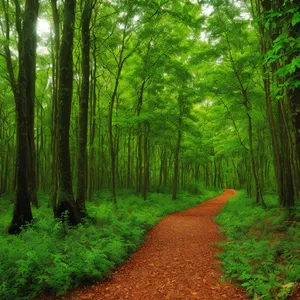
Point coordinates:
pixel 296 19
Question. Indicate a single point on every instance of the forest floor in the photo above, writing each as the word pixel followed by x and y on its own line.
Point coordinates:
pixel 177 261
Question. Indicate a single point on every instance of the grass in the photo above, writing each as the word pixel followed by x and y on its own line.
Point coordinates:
pixel 262 249
pixel 51 257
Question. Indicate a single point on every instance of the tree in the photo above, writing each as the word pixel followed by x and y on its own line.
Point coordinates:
pixel 169 97
pixel 230 29
pixel 280 61
pixel 65 198
pixel 55 44
pixel 24 93
pixel 82 167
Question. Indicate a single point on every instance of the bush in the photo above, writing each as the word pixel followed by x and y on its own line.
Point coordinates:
pixel 262 247
pixel 193 188
pixel 49 256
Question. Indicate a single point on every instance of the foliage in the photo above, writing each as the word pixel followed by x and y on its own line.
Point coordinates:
pixel 262 246
pixel 179 98
pixel 50 256
pixel 285 45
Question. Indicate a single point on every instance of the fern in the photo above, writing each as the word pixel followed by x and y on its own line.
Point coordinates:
pixel 52 257
pixel 262 247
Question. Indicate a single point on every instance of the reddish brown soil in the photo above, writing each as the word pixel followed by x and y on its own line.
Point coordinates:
pixel 176 262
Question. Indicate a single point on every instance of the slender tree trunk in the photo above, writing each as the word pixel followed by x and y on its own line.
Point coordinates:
pixel 146 163
pixel 215 172
pixel 111 143
pixel 93 101
pixel 258 192
pixel 128 185
pixel 112 146
pixel 176 164
pixel 177 149
pixel 161 169
pixel 55 83
pixel 287 187
pixel 139 171
pixel 38 153
pixel 82 163
pixel 65 198
pixel 6 174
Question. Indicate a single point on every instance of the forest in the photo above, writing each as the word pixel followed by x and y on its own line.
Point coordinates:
pixel 115 114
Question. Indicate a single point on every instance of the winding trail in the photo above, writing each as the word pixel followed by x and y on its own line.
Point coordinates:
pixel 176 262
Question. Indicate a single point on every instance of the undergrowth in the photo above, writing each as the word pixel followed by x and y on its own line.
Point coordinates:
pixel 50 257
pixel 262 247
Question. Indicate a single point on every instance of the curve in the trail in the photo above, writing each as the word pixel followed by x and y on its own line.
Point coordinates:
pixel 176 262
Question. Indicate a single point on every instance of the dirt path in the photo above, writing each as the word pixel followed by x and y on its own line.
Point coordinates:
pixel 176 262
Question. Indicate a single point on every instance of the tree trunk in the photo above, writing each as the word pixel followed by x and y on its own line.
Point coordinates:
pixel 258 192
pixel 25 98
pixel 146 163
pixel 294 99
pixel 177 150
pixel 139 170
pixel 112 148
pixel 280 159
pixel 91 176
pixel 128 177
pixel 55 83
pixel 287 187
pixel 65 198
pixel 82 165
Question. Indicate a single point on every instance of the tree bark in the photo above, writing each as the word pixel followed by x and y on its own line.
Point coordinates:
pixel 258 192
pixel 82 164
pixel 128 177
pixel 25 98
pixel 177 149
pixel 55 83
pixel 65 198
pixel 146 163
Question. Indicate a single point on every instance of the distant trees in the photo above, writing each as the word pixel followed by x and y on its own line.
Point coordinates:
pixel 274 80
pixel 239 62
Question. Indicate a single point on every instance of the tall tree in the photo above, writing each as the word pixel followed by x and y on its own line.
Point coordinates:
pixel 278 45
pixel 55 43
pixel 82 167
pixel 24 93
pixel 65 198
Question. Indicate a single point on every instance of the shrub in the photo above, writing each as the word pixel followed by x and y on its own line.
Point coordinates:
pixel 49 256
pixel 262 246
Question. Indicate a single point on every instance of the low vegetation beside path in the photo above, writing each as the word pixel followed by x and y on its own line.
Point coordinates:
pixel 262 247
pixel 52 257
